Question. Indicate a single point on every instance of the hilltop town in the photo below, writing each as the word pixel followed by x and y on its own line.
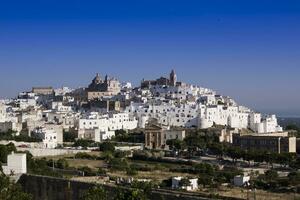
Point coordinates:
pixel 177 136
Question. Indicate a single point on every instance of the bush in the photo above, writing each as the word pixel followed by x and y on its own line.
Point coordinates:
pixel 271 175
pixel 118 164
pixel 83 155
pixel 69 137
pixel 83 143
pixel 87 171
pixel 131 172
pixel 107 146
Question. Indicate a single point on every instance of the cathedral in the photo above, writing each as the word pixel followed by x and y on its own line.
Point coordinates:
pixel 100 88
pixel 171 81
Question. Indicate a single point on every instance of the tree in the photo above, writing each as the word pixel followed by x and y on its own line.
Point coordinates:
pixel 294 178
pixel 83 143
pixel 271 175
pixel 131 171
pixel 132 194
pixel 184 182
pixel 205 180
pixel 62 163
pixel 69 137
pixel 11 191
pixel 5 150
pixel 235 153
pixel 292 127
pixel 118 164
pixel 107 146
pixel 217 149
pixel 95 193
pixel 175 144
pixel 204 168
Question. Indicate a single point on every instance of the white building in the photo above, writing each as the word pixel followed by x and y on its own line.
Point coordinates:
pixel 48 136
pixel 241 180
pixel 59 107
pixel 62 91
pixel 96 135
pixel 2 112
pixel 267 125
pixel 203 115
pixel 102 127
pixel 176 184
pixel 16 164
pixel 183 115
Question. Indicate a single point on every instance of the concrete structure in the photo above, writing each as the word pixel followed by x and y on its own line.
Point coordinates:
pixel 176 184
pixel 16 164
pixel 241 180
pixel 276 142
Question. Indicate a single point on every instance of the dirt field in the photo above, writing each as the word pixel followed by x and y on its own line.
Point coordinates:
pixel 259 194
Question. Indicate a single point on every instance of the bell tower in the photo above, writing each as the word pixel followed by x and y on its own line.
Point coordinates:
pixel 173 78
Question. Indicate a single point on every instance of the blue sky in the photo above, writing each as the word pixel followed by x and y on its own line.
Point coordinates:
pixel 249 50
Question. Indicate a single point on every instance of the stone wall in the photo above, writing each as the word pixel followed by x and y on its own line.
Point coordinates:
pixel 39 152
pixel 49 188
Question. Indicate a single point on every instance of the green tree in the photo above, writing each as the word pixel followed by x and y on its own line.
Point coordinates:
pixel 176 144
pixel 292 127
pixel 271 175
pixel 95 193
pixel 132 194
pixel 132 171
pixel 83 143
pixel 107 146
pixel 205 180
pixel 184 182
pixel 62 163
pixel 11 191
pixel 5 150
pixel 69 137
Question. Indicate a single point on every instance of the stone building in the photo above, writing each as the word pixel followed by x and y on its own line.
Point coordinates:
pixel 100 88
pixel 43 90
pixel 171 81
pixel 156 136
pixel 275 142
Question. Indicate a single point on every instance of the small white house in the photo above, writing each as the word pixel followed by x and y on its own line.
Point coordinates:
pixel 177 185
pixel 241 180
pixel 49 137
pixel 16 164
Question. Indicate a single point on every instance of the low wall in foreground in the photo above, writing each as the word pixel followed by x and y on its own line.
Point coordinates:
pixel 37 152
pixel 49 188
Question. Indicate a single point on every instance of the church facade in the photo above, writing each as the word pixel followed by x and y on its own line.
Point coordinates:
pixel 101 88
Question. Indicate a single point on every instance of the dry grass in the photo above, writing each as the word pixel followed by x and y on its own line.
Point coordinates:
pixel 154 175
pixel 93 164
pixel 260 194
